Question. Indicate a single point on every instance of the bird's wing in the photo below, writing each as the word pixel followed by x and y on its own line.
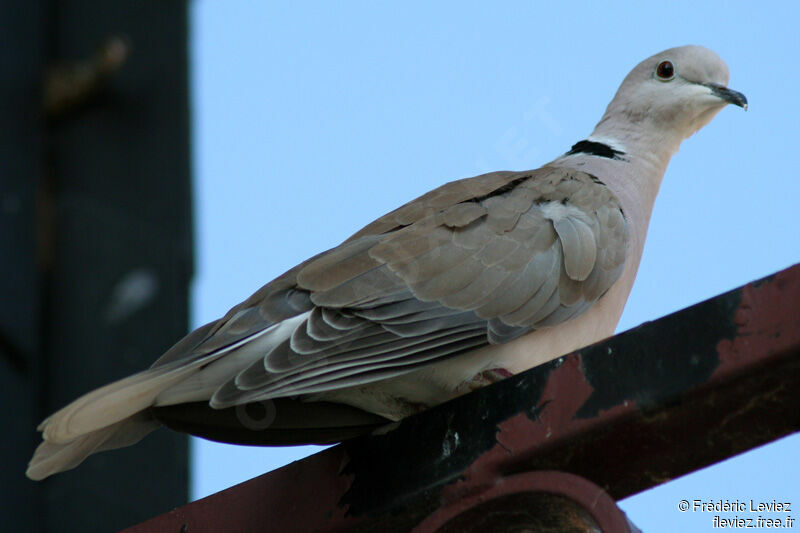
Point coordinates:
pixel 476 261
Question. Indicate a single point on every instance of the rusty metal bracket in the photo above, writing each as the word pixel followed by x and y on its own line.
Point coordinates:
pixel 545 501
pixel 626 414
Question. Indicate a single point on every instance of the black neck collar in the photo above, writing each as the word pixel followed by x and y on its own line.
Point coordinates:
pixel 595 148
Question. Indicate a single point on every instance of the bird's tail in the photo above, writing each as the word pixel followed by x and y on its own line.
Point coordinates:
pixel 112 416
pixel 52 458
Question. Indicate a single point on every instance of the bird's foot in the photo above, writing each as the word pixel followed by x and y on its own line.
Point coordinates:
pixel 487 377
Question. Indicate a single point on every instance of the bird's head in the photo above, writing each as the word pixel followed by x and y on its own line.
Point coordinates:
pixel 675 92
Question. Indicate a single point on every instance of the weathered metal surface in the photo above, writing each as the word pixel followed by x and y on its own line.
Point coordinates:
pixel 543 501
pixel 629 413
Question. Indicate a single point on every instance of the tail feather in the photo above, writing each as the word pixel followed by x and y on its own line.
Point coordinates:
pixel 51 458
pixel 112 416
pixel 117 414
pixel 116 401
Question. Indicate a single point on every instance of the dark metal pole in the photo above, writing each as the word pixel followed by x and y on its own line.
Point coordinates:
pixel 96 241
pixel 21 137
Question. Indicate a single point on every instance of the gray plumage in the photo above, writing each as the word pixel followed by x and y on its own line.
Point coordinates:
pixel 498 272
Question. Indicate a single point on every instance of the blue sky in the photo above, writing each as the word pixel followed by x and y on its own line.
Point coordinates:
pixel 312 120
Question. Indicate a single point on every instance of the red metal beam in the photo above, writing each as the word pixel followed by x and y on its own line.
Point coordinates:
pixel 639 409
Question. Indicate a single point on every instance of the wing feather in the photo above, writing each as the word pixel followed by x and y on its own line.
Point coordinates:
pixel 477 261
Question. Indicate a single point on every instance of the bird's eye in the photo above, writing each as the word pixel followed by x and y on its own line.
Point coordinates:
pixel 665 71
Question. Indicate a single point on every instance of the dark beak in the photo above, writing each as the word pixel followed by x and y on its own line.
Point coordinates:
pixel 729 95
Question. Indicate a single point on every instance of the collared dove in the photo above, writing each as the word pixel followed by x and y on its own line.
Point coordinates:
pixel 478 279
